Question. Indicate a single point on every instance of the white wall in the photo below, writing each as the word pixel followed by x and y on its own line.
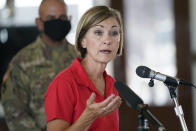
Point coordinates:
pixel 193 49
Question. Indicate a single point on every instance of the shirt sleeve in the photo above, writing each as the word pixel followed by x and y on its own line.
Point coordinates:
pixel 59 100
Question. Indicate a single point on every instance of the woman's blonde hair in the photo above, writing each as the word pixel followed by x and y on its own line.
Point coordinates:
pixel 91 18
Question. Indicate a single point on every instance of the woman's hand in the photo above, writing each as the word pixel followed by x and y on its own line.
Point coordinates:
pixel 95 110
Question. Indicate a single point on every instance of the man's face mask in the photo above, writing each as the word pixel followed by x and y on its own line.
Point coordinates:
pixel 57 29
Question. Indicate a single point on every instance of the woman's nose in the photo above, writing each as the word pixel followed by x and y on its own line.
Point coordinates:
pixel 107 39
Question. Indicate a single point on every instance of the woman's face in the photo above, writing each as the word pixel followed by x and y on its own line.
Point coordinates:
pixel 102 40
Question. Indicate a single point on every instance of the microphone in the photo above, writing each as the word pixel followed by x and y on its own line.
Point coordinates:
pixel 145 72
pixel 137 104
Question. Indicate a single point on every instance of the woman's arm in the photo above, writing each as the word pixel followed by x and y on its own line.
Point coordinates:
pixel 92 111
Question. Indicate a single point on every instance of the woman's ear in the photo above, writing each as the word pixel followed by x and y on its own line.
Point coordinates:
pixel 83 43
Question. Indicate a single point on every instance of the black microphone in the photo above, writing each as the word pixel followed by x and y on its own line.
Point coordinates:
pixel 137 104
pixel 145 72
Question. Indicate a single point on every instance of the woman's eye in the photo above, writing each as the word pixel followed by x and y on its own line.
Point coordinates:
pixel 98 32
pixel 114 33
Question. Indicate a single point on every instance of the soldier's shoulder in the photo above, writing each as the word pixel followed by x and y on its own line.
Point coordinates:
pixel 70 46
pixel 26 52
pixel 73 50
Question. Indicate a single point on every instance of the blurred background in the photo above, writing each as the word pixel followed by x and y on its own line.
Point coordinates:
pixel 160 34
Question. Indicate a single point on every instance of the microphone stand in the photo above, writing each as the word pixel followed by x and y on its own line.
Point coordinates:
pixel 178 108
pixel 142 122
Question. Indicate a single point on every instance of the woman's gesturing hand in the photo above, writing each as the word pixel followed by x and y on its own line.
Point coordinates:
pixel 95 110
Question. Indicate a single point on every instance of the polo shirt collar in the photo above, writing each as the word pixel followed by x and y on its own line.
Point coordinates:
pixel 79 73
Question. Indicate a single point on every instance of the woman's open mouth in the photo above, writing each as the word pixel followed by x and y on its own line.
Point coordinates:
pixel 106 51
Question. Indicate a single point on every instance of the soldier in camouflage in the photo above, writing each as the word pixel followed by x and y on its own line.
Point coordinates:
pixel 35 66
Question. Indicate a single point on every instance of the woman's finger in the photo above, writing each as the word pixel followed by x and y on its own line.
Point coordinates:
pixel 106 101
pixel 91 99
pixel 114 102
pixel 113 105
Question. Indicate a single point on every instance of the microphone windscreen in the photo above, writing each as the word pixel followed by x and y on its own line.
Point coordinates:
pixel 143 71
pixel 128 95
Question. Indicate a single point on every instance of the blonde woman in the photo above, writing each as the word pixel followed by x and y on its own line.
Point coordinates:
pixel 83 97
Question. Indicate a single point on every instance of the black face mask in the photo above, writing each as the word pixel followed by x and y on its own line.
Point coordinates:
pixel 57 29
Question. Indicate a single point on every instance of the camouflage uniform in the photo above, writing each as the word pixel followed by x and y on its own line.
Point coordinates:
pixel 31 71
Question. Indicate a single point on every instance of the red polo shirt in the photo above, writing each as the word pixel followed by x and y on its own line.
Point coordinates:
pixel 67 95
